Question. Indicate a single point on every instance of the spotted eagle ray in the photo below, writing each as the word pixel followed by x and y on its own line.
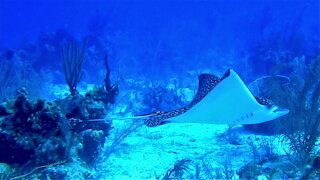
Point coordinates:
pixel 225 100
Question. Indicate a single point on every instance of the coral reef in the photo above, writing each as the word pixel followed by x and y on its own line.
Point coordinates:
pixel 39 132
pixel 32 132
pixel 92 143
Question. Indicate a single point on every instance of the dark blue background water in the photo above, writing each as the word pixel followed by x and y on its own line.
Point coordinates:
pixel 164 38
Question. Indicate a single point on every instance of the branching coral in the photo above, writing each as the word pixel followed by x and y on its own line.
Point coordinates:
pixel 7 78
pixel 178 170
pixel 302 126
pixel 72 57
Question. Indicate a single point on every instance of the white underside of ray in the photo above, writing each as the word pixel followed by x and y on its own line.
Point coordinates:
pixel 230 102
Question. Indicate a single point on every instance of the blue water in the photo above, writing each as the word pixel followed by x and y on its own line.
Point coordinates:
pixel 156 50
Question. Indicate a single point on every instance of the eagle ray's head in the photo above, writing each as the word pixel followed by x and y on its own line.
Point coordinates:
pixel 268 113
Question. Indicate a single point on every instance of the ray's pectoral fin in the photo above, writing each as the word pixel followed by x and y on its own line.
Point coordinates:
pixel 206 83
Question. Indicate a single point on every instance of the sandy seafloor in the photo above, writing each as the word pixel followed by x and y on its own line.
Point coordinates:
pixel 148 153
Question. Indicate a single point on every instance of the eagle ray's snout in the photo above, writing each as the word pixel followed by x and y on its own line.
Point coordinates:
pixel 280 111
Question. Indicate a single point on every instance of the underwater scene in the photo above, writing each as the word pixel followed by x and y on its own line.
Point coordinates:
pixel 159 89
